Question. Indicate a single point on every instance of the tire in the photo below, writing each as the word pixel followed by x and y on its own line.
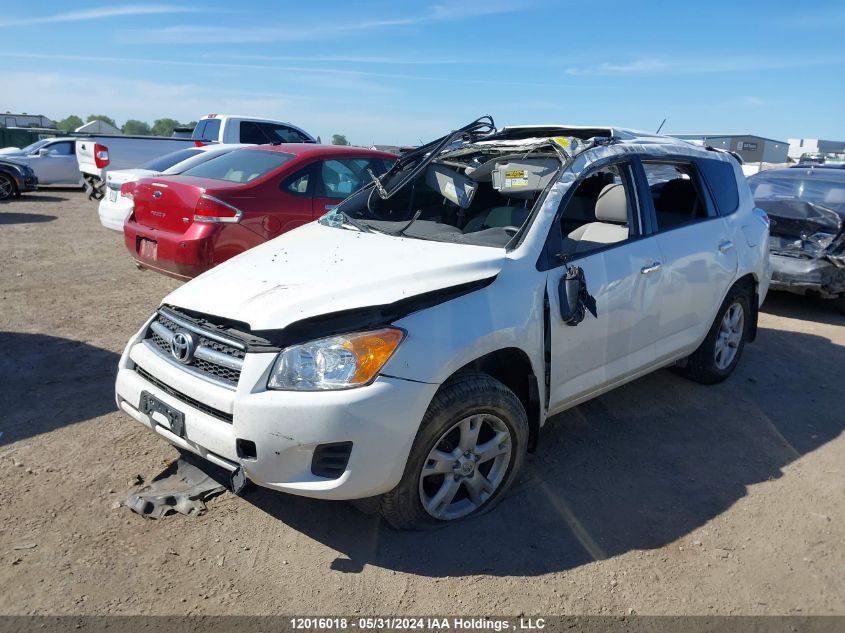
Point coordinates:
pixel 7 187
pixel 712 362
pixel 468 403
pixel 840 302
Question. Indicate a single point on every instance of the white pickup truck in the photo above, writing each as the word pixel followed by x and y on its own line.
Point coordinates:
pixel 99 154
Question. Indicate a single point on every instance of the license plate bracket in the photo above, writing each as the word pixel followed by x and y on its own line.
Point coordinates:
pixel 147 249
pixel 175 418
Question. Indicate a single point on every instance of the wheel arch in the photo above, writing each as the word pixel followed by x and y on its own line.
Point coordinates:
pixel 512 367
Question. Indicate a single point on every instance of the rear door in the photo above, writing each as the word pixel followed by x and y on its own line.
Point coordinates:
pixel 697 253
pixel 337 178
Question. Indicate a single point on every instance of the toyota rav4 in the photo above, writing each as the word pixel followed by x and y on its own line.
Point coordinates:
pixel 407 348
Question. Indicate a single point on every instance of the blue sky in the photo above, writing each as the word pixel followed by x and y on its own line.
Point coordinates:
pixel 397 72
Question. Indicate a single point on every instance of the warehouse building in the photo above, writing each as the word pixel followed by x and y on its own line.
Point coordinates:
pixel 10 119
pixel 752 148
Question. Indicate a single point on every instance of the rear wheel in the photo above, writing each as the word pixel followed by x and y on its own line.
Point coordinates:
pixel 718 355
pixel 7 187
pixel 466 454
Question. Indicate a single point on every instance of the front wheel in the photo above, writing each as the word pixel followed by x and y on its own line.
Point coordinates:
pixel 717 357
pixel 470 446
pixel 7 187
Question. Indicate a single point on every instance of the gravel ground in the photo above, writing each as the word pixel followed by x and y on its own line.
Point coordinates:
pixel 663 497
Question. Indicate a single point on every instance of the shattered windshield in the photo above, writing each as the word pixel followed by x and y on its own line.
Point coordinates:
pixel 467 187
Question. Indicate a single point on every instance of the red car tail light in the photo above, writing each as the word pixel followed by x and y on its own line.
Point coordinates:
pixel 101 155
pixel 211 209
pixel 127 190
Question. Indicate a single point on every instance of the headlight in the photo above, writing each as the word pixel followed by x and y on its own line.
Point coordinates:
pixel 817 243
pixel 336 362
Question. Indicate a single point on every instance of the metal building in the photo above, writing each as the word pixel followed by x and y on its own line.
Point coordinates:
pixel 752 148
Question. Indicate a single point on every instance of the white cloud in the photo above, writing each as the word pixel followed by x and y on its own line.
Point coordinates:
pixel 101 13
pixel 58 95
pixel 452 10
pixel 661 66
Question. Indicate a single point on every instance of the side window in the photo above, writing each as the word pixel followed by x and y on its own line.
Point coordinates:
pixel 676 194
pixel 340 177
pixel 721 178
pixel 61 149
pixel 600 211
pixel 283 134
pixel 299 183
pixel 252 133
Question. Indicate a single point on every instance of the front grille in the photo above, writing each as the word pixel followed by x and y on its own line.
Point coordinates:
pixel 217 413
pixel 211 358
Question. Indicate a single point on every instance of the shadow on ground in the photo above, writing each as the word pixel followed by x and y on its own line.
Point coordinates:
pixel 634 469
pixel 806 308
pixel 24 218
pixel 48 382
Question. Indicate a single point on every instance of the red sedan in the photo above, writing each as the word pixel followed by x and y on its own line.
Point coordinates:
pixel 183 225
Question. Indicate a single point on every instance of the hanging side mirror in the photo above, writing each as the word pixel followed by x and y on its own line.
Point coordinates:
pixel 572 292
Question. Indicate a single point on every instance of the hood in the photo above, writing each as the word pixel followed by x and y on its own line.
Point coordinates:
pixel 11 151
pixel 794 218
pixel 14 160
pixel 316 270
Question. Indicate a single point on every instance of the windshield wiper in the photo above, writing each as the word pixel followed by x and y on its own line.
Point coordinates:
pixel 337 218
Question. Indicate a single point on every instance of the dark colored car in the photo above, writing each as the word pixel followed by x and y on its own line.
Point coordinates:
pixel 807 245
pixel 15 178
pixel 184 225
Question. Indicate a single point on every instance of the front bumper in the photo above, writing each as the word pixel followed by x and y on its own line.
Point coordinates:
pixel 380 420
pixel 798 274
pixel 30 183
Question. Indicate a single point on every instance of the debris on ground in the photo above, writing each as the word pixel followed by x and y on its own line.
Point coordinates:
pixel 184 491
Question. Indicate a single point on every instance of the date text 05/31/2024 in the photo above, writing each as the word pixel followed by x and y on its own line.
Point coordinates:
pixel 411 623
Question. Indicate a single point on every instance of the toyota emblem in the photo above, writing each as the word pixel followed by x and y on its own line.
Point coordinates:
pixel 182 347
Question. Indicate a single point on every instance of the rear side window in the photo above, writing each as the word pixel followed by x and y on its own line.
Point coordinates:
pixel 260 133
pixel 340 177
pixel 207 130
pixel 721 179
pixel 675 193
pixel 240 166
pixel 168 160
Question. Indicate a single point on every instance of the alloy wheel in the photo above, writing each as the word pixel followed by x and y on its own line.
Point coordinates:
pixel 729 335
pixel 466 466
pixel 7 187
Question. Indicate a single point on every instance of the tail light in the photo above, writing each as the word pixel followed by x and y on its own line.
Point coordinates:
pixel 199 143
pixel 211 209
pixel 101 155
pixel 127 190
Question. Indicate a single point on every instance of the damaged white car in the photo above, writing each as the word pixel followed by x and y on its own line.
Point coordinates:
pixel 408 347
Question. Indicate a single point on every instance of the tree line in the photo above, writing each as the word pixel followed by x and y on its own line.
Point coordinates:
pixel 160 127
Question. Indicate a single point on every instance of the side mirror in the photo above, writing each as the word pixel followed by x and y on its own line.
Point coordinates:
pixel 573 296
pixel 43 151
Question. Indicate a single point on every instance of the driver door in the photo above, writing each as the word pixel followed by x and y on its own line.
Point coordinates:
pixel 623 281
pixel 58 166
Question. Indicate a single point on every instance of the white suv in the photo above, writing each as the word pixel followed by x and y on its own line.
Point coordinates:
pixel 408 347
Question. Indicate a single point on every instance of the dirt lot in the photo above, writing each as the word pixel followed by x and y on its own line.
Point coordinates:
pixel 662 497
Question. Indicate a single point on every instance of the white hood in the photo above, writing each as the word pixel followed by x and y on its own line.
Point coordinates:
pixel 317 270
pixel 11 151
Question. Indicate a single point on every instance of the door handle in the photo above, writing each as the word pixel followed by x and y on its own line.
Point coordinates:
pixel 329 207
pixel 650 269
pixel 725 246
